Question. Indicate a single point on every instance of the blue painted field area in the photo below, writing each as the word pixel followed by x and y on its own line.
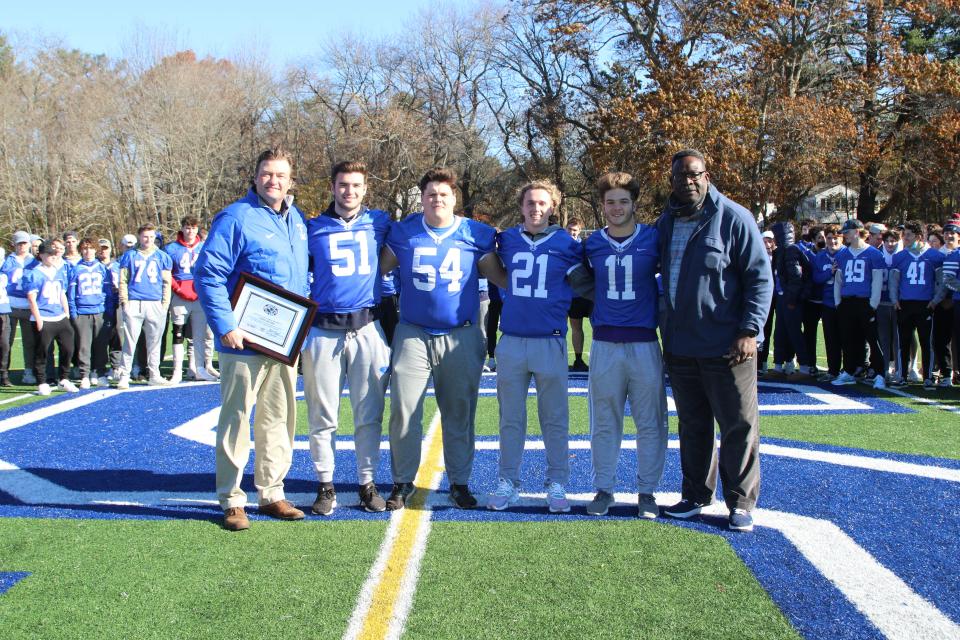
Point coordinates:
pixel 148 454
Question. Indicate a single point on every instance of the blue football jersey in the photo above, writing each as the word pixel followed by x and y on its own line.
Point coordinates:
pixel 625 292
pixel 89 289
pixel 50 284
pixel 439 287
pixel 917 273
pixel 536 302
pixel 389 285
pixel 346 260
pixel 182 259
pixel 145 274
pixel 856 271
pixel 15 269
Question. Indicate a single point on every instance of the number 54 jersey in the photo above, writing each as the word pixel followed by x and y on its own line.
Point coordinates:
pixel 439 288
pixel 538 296
pixel 345 258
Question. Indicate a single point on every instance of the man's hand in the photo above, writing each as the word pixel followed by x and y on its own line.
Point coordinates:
pixel 741 350
pixel 234 339
pixel 39 323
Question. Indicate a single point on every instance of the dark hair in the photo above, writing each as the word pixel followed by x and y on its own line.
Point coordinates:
pixel 87 242
pixel 914 226
pixel 190 221
pixel 46 246
pixel 574 220
pixel 831 229
pixel 274 153
pixel 438 174
pixel 67 234
pixel 890 233
pixel 688 153
pixel 348 166
pixel 148 226
pixel 618 180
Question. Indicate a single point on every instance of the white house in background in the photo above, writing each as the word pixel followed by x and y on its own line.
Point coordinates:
pixel 829 203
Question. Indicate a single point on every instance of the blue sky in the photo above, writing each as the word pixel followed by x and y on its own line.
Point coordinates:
pixel 289 31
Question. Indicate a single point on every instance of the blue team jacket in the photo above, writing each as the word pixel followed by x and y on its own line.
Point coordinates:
pixel 725 283
pixel 248 236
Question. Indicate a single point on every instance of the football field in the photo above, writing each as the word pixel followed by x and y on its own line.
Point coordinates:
pixel 109 528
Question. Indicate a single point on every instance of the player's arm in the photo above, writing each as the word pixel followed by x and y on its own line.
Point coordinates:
pixel 939 288
pixel 123 292
pixel 34 309
pixel 72 296
pixel 388 260
pixel 165 296
pixel 581 280
pixel 492 269
pixel 876 288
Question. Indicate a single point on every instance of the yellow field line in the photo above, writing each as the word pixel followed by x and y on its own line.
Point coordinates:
pixel 393 585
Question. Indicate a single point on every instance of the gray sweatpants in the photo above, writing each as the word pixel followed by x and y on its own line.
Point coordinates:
pixel 455 361
pixel 361 359
pixel 93 340
pixel 148 316
pixel 28 339
pixel 544 360
pixel 621 371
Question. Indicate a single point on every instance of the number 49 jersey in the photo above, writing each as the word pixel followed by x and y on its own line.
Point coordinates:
pixel 439 287
pixel 625 292
pixel 856 271
pixel 346 260
pixel 538 297
pixel 917 273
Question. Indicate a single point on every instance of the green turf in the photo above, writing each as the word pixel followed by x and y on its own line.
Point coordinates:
pixel 587 580
pixel 141 579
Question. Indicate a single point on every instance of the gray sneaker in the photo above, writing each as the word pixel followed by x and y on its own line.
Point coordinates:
pixel 600 504
pixel 647 506
pixel 326 500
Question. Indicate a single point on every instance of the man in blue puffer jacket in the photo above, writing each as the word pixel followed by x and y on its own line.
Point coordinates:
pixel 262 234
pixel 718 286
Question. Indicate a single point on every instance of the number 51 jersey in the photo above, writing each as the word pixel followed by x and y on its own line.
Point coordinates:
pixel 439 287
pixel 537 297
pixel 346 260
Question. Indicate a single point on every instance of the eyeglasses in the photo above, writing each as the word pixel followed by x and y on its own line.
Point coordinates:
pixel 689 175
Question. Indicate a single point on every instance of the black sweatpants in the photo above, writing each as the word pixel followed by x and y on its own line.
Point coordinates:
pixel 831 339
pixel 858 328
pixel 61 332
pixel 914 315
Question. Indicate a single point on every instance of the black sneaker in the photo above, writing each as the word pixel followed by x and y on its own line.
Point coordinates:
pixel 685 509
pixel 370 499
pixel 461 497
pixel 399 495
pixel 579 366
pixel 326 499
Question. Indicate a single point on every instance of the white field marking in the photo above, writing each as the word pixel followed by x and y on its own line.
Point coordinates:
pixel 201 429
pixel 927 401
pixel 875 591
pixel 15 398
pixel 365 623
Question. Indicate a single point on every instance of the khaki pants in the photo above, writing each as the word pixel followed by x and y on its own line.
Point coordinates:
pixel 271 385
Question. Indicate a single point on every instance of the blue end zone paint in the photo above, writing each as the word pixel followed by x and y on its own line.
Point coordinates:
pixel 10 578
pixel 910 525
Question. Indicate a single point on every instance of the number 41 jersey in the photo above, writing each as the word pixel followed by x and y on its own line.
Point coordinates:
pixel 625 293
pixel 538 297
pixel 918 273
pixel 439 287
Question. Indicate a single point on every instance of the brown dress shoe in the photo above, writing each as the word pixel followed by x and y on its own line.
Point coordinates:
pixel 234 519
pixel 282 510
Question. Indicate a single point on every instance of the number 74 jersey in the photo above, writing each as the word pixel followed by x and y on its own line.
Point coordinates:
pixel 538 295
pixel 439 276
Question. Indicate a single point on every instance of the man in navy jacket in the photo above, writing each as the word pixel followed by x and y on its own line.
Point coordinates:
pixel 717 286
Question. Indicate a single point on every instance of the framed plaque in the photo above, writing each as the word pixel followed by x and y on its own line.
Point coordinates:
pixel 275 320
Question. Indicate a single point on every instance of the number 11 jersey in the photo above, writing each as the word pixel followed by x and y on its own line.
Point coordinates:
pixel 626 292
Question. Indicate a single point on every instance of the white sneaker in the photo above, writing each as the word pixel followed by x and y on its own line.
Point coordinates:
pixel 158 382
pixel 205 376
pixel 789 368
pixel 94 381
pixel 504 496
pixel 43 389
pixel 491 364
pixel 176 377
pixel 879 382
pixel 28 377
pixel 914 376
pixel 123 382
pixel 843 379
pixel 85 382
pixel 213 372
pixel 69 387
pixel 115 375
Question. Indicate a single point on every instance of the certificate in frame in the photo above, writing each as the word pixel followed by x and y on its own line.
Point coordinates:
pixel 275 320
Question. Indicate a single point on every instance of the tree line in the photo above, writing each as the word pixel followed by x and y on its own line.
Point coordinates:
pixel 781 95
